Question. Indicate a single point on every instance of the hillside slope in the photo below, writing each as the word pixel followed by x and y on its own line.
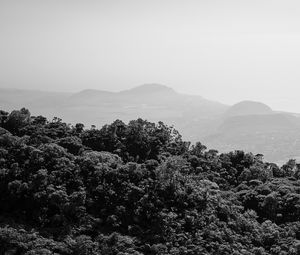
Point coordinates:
pixel 154 102
pixel 254 127
pixel 137 189
pixel 250 126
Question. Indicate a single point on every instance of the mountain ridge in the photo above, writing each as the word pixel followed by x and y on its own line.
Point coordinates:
pixel 246 125
pixel 151 88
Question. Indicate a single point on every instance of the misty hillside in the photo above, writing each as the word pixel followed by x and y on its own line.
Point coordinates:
pixel 151 101
pixel 41 101
pixel 248 125
pixel 253 126
pixel 95 107
pixel 248 108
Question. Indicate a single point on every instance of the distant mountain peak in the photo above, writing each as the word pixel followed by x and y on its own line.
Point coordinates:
pixel 92 91
pixel 249 108
pixel 149 88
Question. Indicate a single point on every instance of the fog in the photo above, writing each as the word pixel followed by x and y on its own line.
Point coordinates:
pixel 222 50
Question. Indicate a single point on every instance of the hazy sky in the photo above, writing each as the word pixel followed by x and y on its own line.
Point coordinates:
pixel 223 50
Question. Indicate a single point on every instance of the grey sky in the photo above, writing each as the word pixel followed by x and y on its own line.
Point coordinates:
pixel 223 50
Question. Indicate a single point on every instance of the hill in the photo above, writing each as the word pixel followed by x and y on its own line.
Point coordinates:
pixel 154 102
pixel 254 127
pixel 138 188
pixel 149 89
pixel 248 125
pixel 248 108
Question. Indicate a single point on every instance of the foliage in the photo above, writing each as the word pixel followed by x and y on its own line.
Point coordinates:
pixel 138 188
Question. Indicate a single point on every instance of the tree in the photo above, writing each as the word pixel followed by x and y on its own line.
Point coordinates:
pixel 3 117
pixel 17 120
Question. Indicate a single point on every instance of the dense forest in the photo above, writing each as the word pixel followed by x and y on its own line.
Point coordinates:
pixel 138 188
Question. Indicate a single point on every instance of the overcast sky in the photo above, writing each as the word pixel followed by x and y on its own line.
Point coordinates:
pixel 223 50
